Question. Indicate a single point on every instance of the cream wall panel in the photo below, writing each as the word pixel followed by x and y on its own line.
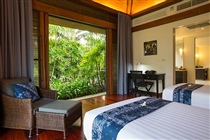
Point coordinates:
pixel 164 61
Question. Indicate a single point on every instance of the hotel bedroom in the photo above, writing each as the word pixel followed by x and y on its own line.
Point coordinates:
pixel 105 122
pixel 163 26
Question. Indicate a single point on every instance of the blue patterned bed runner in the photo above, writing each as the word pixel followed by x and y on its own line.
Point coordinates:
pixel 182 94
pixel 107 124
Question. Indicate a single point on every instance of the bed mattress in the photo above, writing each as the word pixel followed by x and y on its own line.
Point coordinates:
pixel 173 121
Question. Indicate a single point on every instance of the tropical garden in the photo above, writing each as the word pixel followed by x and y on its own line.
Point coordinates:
pixel 77 62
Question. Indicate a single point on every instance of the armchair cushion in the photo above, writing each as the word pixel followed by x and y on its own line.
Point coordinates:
pixel 26 90
pixel 6 85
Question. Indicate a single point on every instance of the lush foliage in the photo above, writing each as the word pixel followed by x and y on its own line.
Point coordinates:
pixel 76 69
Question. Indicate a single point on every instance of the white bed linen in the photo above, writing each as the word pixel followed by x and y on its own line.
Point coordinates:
pixel 174 121
pixel 199 97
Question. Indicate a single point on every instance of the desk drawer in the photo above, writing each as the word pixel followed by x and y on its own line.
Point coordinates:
pixel 150 77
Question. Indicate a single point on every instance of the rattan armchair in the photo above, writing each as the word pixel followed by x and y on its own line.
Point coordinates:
pixel 18 113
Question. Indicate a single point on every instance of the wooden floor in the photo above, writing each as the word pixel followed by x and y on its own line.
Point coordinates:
pixel 73 133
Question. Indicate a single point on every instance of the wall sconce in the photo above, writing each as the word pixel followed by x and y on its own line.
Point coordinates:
pixel 196 55
pixel 197 59
pixel 180 51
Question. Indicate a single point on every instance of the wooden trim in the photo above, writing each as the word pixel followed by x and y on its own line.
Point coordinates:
pixel 46 48
pixel 72 15
pixel 187 14
pixel 109 61
pixel 174 57
pixel 42 51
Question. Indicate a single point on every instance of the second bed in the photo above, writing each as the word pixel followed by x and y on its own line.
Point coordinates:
pixel 200 97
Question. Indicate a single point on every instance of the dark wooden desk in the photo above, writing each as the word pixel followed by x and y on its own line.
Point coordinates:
pixel 156 77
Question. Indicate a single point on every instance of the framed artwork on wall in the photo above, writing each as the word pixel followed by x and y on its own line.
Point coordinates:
pixel 150 47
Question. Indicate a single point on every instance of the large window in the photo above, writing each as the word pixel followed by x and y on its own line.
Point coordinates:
pixel 77 54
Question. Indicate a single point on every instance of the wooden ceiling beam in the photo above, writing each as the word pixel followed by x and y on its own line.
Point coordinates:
pixel 71 15
pixel 130 6
pixel 183 15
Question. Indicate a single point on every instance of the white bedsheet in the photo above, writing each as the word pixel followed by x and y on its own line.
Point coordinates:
pixel 174 121
pixel 199 97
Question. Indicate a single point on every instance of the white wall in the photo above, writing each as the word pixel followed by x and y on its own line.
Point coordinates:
pixel 164 61
pixel 189 58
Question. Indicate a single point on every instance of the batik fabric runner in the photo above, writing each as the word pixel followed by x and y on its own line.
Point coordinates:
pixel 183 93
pixel 107 124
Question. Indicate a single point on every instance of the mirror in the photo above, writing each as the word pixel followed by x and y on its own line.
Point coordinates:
pixel 202 52
pixel 192 49
pixel 179 55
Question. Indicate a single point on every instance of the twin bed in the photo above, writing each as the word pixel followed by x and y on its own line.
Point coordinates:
pixel 170 120
pixel 200 97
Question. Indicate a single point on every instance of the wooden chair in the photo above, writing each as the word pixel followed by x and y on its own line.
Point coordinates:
pixel 131 88
pixel 139 82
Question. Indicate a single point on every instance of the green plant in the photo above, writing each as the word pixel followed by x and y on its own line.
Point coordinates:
pixel 75 69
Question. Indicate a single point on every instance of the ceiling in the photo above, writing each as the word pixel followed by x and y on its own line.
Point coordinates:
pixel 132 7
pixel 200 32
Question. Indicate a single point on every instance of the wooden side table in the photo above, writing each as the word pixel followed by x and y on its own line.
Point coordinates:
pixel 202 73
pixel 181 76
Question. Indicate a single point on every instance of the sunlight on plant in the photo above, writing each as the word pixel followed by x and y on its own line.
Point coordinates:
pixel 77 62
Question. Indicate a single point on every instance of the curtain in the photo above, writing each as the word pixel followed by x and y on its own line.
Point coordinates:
pixel 124 52
pixel 16 39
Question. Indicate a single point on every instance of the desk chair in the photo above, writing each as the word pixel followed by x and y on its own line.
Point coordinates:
pixel 138 81
pixel 131 89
